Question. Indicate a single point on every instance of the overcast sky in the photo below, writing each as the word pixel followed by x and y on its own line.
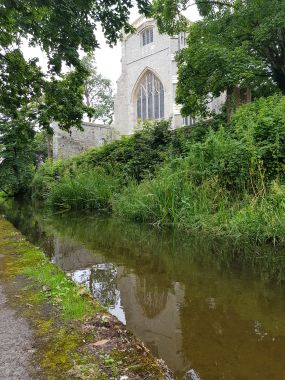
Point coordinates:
pixel 108 59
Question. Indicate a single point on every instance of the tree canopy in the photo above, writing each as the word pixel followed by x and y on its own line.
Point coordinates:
pixel 237 44
pixel 61 29
pixel 98 92
pixel 31 98
pixel 169 13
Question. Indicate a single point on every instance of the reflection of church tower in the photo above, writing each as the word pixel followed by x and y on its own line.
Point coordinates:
pixel 147 85
pixel 152 298
pixel 153 314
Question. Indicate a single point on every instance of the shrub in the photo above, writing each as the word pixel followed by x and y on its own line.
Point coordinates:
pixel 172 198
pixel 222 157
pixel 85 191
pixel 227 180
pixel 260 126
pixel 222 183
pixel 46 177
pixel 131 158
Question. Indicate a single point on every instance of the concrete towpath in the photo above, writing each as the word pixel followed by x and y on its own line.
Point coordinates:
pixel 16 342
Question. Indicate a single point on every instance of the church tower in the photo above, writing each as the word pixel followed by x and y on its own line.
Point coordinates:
pixel 147 85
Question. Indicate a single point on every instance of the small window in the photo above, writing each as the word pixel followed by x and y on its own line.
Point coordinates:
pixel 190 121
pixel 182 38
pixel 147 36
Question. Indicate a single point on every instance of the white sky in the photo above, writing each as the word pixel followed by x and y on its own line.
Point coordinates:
pixel 108 59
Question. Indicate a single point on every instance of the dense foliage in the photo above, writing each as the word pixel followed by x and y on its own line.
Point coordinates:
pixel 223 179
pixel 20 154
pixel 131 158
pixel 237 45
pixel 231 183
pixel 30 97
pixel 84 191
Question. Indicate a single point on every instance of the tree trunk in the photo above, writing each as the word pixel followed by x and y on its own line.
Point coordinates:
pixel 50 145
pixel 235 98
pixel 275 59
pixel 279 77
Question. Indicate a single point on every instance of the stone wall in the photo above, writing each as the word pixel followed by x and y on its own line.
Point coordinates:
pixel 66 144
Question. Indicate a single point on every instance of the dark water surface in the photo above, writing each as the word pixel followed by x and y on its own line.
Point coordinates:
pixel 198 304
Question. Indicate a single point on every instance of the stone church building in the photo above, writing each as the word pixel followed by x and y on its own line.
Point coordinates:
pixel 145 90
pixel 147 85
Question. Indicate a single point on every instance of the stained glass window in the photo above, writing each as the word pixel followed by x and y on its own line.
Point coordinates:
pixel 150 98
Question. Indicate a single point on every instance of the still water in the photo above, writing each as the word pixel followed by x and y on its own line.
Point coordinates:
pixel 197 303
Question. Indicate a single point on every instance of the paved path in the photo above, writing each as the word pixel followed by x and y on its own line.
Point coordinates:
pixel 15 343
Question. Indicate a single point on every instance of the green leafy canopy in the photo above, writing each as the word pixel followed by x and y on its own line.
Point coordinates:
pixel 98 92
pixel 30 98
pixel 238 44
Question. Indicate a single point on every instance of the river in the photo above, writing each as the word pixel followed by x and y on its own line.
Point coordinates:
pixel 196 302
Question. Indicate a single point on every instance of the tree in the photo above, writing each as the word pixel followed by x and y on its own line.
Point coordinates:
pixel 98 92
pixel 16 163
pixel 30 98
pixel 239 44
pixel 169 13
pixel 61 27
pixel 209 66
pixel 28 102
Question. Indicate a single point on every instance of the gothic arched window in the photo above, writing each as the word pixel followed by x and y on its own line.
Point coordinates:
pixel 150 98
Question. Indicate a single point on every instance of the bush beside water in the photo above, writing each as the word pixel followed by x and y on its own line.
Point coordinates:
pixel 226 180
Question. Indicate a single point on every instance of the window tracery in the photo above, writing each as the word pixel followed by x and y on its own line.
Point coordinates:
pixel 150 98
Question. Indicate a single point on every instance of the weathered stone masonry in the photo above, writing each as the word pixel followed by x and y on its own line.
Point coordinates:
pixel 66 144
pixel 156 56
pixel 145 90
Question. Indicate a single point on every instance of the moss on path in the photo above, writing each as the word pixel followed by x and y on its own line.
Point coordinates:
pixel 73 335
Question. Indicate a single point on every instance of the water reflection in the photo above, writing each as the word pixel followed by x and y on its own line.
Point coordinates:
pixel 101 281
pixel 191 301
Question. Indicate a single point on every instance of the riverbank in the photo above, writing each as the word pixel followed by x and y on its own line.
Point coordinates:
pixel 224 180
pixel 187 298
pixel 70 333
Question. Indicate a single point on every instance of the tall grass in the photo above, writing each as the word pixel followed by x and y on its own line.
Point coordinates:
pixel 173 199
pixel 83 191
pixel 261 217
pixel 220 187
pixel 228 180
